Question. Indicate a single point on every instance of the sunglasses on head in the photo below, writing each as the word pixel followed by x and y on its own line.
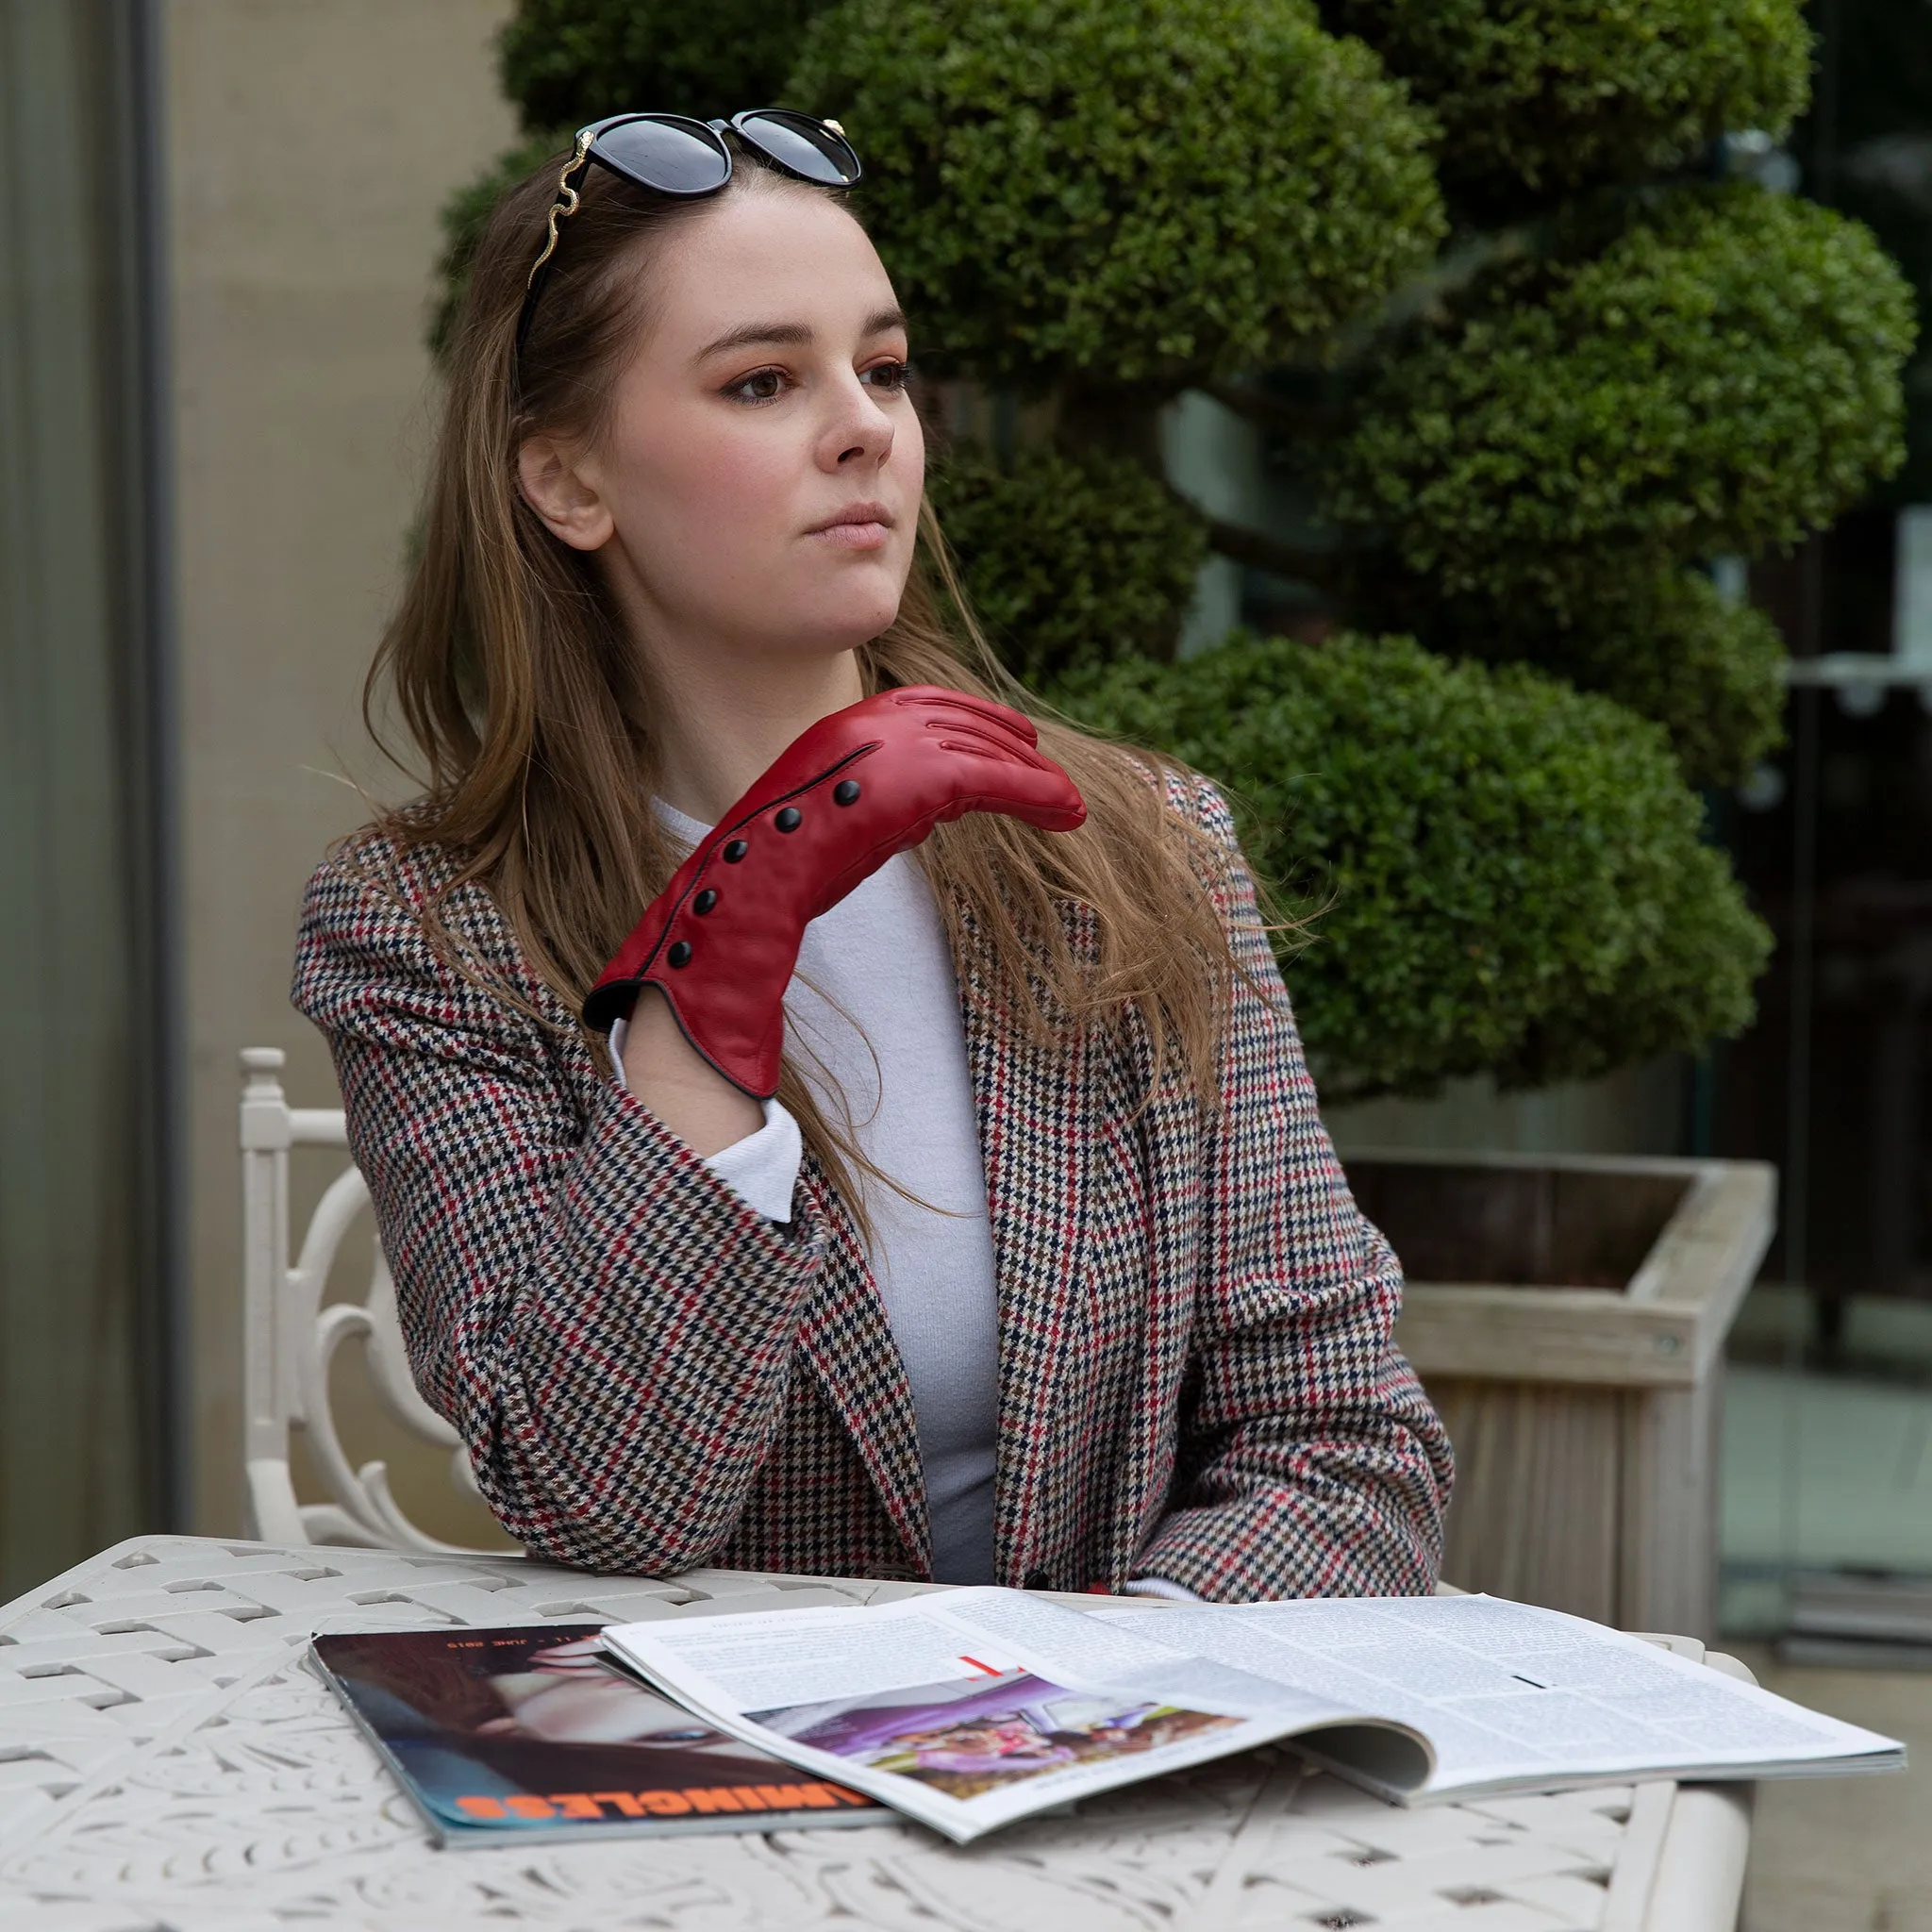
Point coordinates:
pixel 671 153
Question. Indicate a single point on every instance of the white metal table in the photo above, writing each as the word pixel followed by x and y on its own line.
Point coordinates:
pixel 166 1761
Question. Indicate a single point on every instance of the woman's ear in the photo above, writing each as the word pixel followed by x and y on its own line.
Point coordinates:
pixel 568 501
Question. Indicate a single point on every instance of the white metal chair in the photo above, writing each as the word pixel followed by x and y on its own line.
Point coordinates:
pixel 289 1338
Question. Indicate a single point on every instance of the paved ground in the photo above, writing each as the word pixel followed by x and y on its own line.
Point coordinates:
pixel 1824 1470
pixel 1845 1855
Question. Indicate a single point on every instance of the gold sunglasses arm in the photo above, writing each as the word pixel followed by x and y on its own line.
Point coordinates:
pixel 566 203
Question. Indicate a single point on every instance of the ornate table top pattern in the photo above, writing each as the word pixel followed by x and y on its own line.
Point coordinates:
pixel 167 1761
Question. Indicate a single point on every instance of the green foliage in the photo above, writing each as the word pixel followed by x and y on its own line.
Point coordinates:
pixel 1873 140
pixel 1514 874
pixel 1069 559
pixel 465 214
pixel 1123 194
pixel 1559 94
pixel 1113 203
pixel 1675 652
pixel 1669 647
pixel 568 61
pixel 1722 375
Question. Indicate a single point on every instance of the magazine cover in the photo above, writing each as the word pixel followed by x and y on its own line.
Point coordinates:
pixel 494 1733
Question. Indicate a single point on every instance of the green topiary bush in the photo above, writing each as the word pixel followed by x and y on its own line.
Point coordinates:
pixel 1668 647
pixel 1553 94
pixel 1123 194
pixel 1069 559
pixel 1523 451
pixel 1672 650
pixel 1511 875
pixel 569 61
pixel 1722 375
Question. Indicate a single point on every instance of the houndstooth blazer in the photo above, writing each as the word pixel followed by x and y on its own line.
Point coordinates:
pixel 1196 1379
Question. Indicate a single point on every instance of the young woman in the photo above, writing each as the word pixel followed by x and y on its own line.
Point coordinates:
pixel 1037 1266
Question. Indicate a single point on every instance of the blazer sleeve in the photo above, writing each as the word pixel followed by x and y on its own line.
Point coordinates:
pixel 606 1325
pixel 1310 1462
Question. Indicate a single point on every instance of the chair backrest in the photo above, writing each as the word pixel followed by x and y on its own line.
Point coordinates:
pixel 289 1338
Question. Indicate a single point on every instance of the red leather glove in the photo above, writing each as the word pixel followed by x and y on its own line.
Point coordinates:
pixel 722 939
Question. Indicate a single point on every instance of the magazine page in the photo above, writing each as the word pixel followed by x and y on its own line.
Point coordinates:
pixel 528 1731
pixel 971 1709
pixel 1514 1696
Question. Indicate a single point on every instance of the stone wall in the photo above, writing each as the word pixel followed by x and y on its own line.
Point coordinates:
pixel 310 150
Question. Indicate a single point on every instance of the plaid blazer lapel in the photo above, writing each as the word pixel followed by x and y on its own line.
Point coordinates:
pixel 847 1341
pixel 1035 1145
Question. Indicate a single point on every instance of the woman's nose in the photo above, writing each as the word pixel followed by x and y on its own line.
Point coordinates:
pixel 864 433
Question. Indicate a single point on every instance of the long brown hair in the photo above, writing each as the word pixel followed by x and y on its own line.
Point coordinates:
pixel 511 668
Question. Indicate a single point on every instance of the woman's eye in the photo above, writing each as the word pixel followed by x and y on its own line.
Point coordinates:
pixel 761 386
pixel 890 376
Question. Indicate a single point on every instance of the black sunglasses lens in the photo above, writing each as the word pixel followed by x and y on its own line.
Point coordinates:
pixel 672 158
pixel 804 145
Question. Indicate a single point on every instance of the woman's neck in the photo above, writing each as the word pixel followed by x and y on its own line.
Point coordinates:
pixel 722 719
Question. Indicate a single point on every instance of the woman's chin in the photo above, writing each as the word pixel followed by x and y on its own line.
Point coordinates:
pixel 846 622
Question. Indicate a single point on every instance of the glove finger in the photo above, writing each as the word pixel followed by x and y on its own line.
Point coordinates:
pixel 980 745
pixel 991 711
pixel 1044 797
pixel 970 712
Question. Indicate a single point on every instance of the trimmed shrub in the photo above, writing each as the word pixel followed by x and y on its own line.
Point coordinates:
pixel 1122 195
pixel 1675 652
pixel 1506 876
pixel 1669 647
pixel 1722 375
pixel 1527 461
pixel 568 61
pixel 1560 95
pixel 1069 560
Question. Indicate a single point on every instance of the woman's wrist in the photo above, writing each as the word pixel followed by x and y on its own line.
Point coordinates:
pixel 663 1070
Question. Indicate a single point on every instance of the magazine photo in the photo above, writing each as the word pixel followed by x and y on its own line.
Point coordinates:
pixel 968 1736
pixel 534 1732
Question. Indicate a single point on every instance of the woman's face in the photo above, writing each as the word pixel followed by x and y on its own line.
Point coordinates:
pixel 757 488
pixel 569 1696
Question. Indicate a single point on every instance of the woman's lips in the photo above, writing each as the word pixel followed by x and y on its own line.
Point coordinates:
pixel 859 526
pixel 854 536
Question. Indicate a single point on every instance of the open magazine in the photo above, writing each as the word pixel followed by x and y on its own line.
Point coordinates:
pixel 534 1732
pixel 969 1709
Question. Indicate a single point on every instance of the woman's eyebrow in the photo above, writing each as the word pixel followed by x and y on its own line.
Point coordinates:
pixel 793 334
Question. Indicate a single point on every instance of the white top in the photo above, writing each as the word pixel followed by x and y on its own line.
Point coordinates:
pixel 872 1022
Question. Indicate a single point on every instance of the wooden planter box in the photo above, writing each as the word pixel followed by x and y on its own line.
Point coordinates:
pixel 1567 1315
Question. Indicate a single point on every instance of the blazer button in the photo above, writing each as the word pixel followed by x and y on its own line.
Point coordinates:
pixel 1038 1579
